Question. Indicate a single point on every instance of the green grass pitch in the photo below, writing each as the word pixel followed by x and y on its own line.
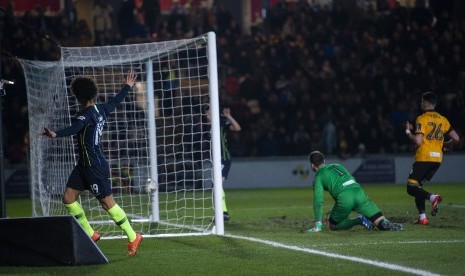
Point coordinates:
pixel 277 218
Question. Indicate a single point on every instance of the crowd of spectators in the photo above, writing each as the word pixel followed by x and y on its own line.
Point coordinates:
pixel 304 78
pixel 341 82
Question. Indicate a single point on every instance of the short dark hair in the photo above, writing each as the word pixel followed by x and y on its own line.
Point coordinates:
pixel 316 158
pixel 430 97
pixel 84 88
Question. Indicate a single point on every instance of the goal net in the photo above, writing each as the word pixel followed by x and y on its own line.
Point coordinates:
pixel 163 155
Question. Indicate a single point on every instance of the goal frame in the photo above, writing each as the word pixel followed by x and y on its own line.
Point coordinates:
pixel 216 176
pixel 215 131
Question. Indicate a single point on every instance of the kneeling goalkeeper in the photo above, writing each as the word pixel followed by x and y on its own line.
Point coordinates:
pixel 348 195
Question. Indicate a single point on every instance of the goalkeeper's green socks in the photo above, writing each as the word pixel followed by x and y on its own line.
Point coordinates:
pixel 119 217
pixel 225 208
pixel 75 209
pixel 346 224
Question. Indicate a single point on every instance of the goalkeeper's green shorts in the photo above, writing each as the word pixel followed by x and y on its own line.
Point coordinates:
pixel 352 200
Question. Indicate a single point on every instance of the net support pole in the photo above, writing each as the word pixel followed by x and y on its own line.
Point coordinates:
pixel 155 216
pixel 2 177
pixel 215 129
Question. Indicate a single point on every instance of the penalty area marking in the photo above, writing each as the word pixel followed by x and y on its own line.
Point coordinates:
pixel 337 256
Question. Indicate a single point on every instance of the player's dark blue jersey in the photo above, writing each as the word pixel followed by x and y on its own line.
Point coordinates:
pixel 88 125
pixel 225 124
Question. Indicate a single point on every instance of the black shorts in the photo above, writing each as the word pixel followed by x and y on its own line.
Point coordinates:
pixel 423 171
pixel 96 180
pixel 225 167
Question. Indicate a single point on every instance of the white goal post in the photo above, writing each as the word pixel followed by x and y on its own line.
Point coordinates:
pixel 163 154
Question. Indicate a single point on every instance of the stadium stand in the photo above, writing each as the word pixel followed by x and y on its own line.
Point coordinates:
pixel 304 78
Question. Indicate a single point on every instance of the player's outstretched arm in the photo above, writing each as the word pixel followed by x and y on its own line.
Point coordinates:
pixel 128 83
pixel 68 131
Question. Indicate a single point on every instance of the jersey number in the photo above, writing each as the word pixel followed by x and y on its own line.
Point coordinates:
pixel 94 188
pixel 99 129
pixel 341 173
pixel 436 132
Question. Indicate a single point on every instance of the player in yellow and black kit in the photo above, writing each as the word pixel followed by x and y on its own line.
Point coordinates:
pixel 431 131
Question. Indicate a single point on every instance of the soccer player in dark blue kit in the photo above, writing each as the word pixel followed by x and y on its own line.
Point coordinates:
pixel 92 171
pixel 227 122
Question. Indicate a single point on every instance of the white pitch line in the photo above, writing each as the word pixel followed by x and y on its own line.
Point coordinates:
pixel 338 256
pixel 395 242
pixel 444 241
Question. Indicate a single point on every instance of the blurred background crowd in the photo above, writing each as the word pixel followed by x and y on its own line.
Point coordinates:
pixel 338 76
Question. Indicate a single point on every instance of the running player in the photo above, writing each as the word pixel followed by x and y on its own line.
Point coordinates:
pixel 431 129
pixel 92 171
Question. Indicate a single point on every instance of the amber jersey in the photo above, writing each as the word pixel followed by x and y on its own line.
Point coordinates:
pixel 434 128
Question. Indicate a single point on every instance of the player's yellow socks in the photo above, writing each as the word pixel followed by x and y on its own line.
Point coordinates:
pixel 75 209
pixel 119 217
pixel 225 208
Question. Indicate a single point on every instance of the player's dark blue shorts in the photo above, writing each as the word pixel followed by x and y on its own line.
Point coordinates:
pixel 94 179
pixel 225 167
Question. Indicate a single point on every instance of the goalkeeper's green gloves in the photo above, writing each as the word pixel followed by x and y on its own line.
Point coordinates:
pixel 318 227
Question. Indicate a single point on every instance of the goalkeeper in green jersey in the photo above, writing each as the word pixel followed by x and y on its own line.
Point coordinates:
pixel 348 196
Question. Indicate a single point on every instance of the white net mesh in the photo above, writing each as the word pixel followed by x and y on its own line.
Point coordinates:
pixel 182 202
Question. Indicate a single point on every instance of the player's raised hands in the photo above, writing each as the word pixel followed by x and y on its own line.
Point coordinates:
pixel 48 132
pixel 226 112
pixel 130 78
